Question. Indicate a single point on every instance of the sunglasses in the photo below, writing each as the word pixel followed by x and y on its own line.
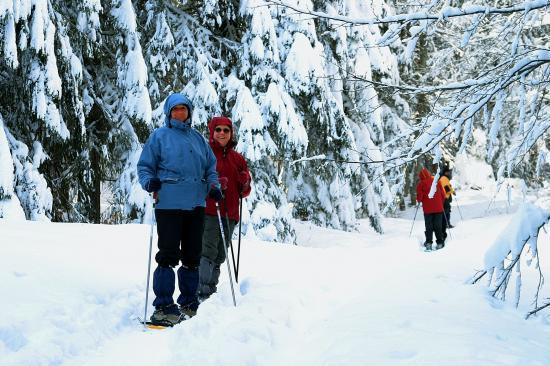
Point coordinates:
pixel 224 130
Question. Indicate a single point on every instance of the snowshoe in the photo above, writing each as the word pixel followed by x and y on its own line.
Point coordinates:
pixel 158 325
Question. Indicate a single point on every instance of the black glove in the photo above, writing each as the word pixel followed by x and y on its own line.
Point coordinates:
pixel 215 193
pixel 153 185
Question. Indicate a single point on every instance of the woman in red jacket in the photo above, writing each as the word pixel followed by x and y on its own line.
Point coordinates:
pixel 235 183
pixel 433 209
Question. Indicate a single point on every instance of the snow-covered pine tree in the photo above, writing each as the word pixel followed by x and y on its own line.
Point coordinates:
pixel 122 91
pixel 443 111
pixel 32 103
pixel 270 131
pixel 83 82
pixel 318 190
pixel 10 206
pixel 358 57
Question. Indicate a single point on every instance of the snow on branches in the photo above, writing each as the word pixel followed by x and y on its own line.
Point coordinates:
pixel 487 67
pixel 518 240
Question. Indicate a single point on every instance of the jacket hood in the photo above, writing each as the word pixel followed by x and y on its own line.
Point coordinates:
pixel 424 174
pixel 174 100
pixel 218 121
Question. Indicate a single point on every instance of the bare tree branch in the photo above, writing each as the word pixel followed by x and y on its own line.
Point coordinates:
pixel 477 276
pixel 534 311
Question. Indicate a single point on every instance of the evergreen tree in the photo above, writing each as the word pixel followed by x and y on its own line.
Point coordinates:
pixel 335 116
pixel 33 102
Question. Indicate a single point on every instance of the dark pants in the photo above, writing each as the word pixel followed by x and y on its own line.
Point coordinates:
pixel 213 253
pixel 179 239
pixel 434 224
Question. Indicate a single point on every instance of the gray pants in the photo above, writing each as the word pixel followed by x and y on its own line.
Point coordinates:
pixel 213 253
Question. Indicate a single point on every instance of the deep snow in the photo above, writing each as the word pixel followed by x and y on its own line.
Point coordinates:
pixel 72 293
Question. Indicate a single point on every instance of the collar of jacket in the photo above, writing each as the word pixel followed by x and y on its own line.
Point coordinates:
pixel 217 148
pixel 183 126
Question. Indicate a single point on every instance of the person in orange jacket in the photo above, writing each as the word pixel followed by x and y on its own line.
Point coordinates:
pixel 235 179
pixel 445 180
pixel 433 209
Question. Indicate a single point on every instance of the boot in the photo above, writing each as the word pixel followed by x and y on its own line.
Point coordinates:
pixel 168 315
pixel 187 312
pixel 428 245
pixel 439 245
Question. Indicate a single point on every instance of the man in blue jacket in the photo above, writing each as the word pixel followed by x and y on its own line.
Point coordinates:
pixel 178 164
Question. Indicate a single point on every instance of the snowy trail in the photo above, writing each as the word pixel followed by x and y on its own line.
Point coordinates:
pixel 338 299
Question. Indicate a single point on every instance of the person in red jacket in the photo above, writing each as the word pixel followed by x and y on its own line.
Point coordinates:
pixel 235 180
pixel 433 209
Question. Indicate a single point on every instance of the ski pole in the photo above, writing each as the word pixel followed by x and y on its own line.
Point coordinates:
pixel 229 239
pixel 459 210
pixel 149 263
pixel 225 249
pixel 239 246
pixel 415 212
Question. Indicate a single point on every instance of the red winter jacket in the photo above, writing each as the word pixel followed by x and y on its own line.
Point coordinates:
pixel 231 165
pixel 429 205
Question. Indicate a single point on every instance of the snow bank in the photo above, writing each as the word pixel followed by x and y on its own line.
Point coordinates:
pixel 72 294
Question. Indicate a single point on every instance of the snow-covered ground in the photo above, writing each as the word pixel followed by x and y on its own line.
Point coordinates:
pixel 71 294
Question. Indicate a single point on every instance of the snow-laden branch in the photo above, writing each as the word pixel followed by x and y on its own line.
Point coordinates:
pixel 445 13
pixel 505 253
pixel 309 158
pixel 323 158
pixel 458 104
pixel 459 112
pixel 525 65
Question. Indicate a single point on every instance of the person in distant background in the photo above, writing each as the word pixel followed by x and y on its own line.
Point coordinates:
pixel 235 180
pixel 178 163
pixel 433 209
pixel 445 180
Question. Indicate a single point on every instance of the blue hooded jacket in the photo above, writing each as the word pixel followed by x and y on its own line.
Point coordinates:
pixel 181 158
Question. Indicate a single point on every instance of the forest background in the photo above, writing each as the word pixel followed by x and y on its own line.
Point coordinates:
pixel 337 103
